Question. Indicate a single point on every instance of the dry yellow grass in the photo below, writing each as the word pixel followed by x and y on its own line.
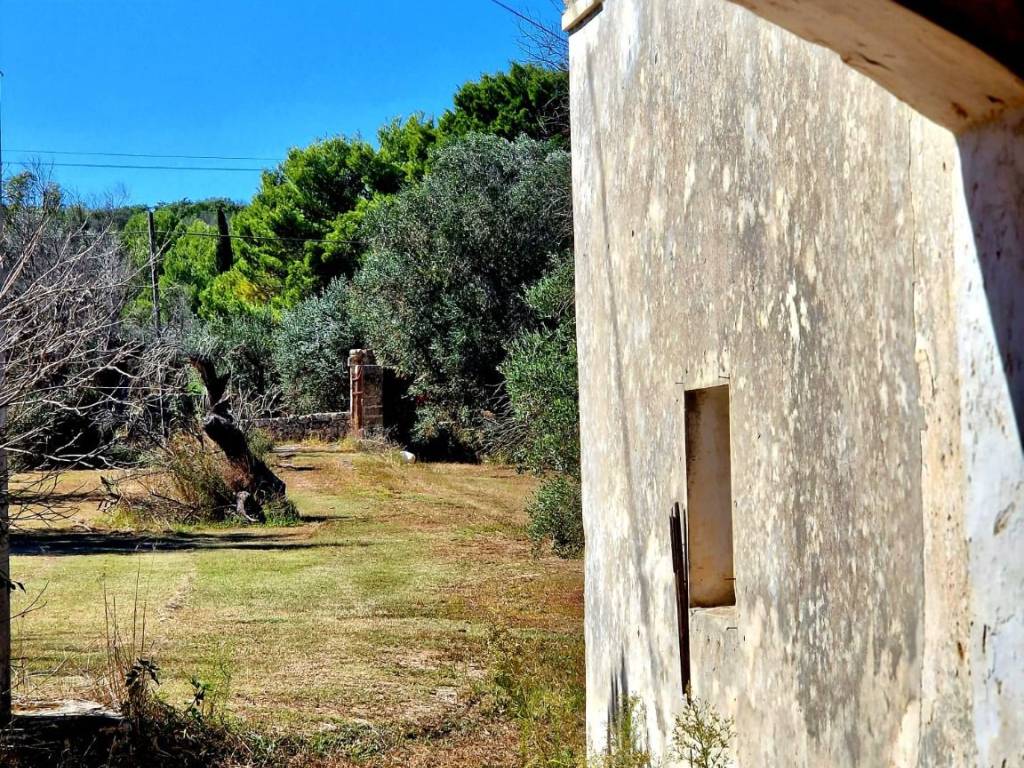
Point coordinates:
pixel 376 609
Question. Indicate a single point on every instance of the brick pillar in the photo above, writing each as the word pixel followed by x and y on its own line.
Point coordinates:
pixel 366 389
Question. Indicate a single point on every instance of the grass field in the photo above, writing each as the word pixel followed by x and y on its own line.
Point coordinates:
pixel 388 610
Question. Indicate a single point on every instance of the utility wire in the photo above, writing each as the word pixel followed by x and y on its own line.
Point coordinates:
pixel 142 154
pixel 146 167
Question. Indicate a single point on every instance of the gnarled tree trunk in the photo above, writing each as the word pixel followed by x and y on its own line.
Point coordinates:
pixel 254 483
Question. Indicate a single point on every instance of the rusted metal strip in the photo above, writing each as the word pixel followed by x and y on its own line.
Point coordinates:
pixel 681 567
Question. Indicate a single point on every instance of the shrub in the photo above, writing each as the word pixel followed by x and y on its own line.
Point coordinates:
pixel 195 481
pixel 702 736
pixel 626 738
pixel 539 429
pixel 555 515
pixel 541 432
pixel 191 485
pixel 440 291
pixel 311 348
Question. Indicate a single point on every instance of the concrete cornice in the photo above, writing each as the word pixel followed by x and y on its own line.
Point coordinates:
pixel 578 11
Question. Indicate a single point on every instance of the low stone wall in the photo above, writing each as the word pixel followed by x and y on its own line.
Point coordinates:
pixel 313 426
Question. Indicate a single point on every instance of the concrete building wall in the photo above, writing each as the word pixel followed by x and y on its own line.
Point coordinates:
pixel 751 212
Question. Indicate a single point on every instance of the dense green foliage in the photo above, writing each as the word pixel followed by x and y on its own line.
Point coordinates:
pixel 541 433
pixel 300 230
pixel 440 291
pixel 304 227
pixel 408 144
pixel 185 251
pixel 525 101
pixel 447 249
pixel 540 378
pixel 311 349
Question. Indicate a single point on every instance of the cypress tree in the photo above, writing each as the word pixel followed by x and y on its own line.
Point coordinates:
pixel 225 256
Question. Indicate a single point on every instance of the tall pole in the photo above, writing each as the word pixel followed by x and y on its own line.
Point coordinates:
pixel 155 286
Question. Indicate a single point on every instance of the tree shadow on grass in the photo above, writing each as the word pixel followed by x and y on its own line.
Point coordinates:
pixel 49 543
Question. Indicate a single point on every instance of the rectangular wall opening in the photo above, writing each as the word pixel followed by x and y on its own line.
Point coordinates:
pixel 709 498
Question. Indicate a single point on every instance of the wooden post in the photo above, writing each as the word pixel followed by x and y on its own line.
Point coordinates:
pixel 681 567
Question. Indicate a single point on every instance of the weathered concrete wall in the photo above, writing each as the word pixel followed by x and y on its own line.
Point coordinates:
pixel 752 212
pixel 989 294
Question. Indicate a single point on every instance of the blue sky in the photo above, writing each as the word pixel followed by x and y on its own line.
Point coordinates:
pixel 228 77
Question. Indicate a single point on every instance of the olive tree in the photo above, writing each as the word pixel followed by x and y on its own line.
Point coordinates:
pixel 63 350
pixel 440 291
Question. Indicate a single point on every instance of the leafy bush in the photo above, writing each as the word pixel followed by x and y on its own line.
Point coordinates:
pixel 243 346
pixel 441 288
pixel 311 348
pixel 555 515
pixel 541 432
pixel 188 487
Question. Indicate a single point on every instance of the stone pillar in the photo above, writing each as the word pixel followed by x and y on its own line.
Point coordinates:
pixel 366 389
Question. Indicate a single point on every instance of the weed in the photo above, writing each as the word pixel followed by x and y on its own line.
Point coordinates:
pixel 192 485
pixel 627 739
pixel 281 512
pixel 539 681
pixel 702 736
pixel 260 443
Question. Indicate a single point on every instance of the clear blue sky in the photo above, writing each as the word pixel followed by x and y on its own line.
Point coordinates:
pixel 229 77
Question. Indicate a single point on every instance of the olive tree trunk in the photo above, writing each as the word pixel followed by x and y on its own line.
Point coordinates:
pixel 254 483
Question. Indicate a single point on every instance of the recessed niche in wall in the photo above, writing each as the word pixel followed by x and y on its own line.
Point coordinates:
pixel 709 497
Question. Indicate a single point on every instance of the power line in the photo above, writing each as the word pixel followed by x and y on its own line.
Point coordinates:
pixel 142 154
pixel 146 167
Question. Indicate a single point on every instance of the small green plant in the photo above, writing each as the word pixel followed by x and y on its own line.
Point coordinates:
pixel 702 737
pixel 555 515
pixel 539 681
pixel 281 512
pixel 201 708
pixel 260 443
pixel 627 740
